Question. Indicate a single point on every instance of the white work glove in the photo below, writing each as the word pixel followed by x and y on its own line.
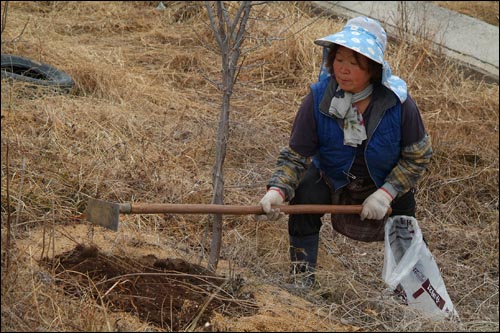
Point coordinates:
pixel 376 205
pixel 274 196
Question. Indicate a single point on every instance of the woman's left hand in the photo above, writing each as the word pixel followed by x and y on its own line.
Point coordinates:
pixel 376 205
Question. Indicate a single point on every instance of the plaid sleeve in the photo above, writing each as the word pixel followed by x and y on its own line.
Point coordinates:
pixel 289 169
pixel 411 166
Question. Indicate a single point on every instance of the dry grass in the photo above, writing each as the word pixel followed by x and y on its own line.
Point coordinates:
pixel 140 126
pixel 486 11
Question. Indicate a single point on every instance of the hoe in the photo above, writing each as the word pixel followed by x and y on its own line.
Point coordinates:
pixel 107 214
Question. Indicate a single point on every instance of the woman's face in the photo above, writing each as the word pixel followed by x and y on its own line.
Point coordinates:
pixel 349 73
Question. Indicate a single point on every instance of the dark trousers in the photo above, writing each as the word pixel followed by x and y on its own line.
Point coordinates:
pixel 313 189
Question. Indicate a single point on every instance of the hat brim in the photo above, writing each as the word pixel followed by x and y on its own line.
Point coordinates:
pixel 357 41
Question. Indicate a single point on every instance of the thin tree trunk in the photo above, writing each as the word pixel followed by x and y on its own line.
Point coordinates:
pixel 218 179
pixel 230 35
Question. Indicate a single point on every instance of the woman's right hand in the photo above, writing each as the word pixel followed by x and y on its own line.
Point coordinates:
pixel 274 196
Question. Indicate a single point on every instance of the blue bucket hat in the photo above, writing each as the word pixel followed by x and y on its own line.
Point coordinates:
pixel 367 37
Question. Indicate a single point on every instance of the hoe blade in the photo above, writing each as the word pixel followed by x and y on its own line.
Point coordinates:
pixel 103 213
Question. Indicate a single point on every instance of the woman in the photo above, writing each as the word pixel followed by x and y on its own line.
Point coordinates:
pixel 365 138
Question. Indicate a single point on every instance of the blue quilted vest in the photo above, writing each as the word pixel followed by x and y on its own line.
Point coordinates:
pixel 335 159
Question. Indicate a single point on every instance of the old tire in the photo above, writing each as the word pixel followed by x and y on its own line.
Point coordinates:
pixel 26 70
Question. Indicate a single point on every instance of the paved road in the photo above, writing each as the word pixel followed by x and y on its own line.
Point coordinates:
pixel 472 42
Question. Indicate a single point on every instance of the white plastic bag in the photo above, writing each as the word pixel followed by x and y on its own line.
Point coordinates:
pixel 409 264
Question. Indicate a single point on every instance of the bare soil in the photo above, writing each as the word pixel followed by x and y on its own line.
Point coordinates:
pixel 170 293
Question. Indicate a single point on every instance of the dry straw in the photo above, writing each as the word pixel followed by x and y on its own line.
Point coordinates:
pixel 140 126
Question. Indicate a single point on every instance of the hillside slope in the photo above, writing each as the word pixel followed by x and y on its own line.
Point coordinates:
pixel 140 125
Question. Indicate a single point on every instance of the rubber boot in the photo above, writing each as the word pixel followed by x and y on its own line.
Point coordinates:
pixel 303 257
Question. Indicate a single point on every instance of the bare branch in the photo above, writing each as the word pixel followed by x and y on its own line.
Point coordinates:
pixel 237 18
pixel 241 31
pixel 221 16
pixel 4 15
pixel 227 19
pixel 212 23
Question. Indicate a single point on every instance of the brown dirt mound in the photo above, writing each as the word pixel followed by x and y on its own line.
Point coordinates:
pixel 170 293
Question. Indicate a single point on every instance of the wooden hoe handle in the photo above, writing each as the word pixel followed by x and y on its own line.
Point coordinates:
pixel 143 208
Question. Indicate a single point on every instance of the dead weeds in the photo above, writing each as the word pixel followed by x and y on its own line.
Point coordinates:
pixel 140 126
